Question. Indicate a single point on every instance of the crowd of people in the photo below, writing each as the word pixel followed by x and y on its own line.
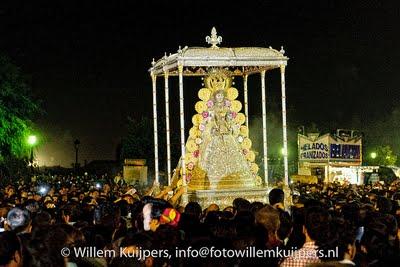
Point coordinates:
pixel 41 219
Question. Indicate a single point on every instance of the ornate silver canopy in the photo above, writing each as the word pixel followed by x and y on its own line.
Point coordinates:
pixel 241 60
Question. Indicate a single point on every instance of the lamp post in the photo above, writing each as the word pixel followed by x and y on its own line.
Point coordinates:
pixel 76 145
pixel 32 140
pixel 301 129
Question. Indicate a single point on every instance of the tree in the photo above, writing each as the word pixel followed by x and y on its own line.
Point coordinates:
pixel 17 109
pixel 139 143
pixel 381 156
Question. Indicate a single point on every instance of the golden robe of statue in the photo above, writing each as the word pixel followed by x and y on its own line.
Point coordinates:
pixel 218 152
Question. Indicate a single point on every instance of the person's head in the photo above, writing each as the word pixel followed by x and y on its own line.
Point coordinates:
pixel 212 207
pixel 128 198
pixel 255 206
pixel 137 216
pixel 49 205
pixel 383 205
pixel 19 220
pixel 64 198
pixel 268 217
pixel 94 193
pixel 244 222
pixel 75 236
pixel 42 219
pixel 32 206
pixel 317 225
pixel 276 196
pixel 37 197
pixel 56 198
pixel 130 244
pixel 106 188
pixel 346 245
pixel 24 194
pixel 10 191
pixel 30 195
pixel 372 197
pixel 65 188
pixel 51 191
pixel 3 211
pixel 10 249
pixel 241 204
pixel 351 213
pixel 193 209
pixel 124 207
pixel 45 246
pixel 107 214
pixel 286 225
pixel 374 242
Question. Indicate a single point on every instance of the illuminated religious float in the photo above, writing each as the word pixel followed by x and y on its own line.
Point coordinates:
pixel 219 164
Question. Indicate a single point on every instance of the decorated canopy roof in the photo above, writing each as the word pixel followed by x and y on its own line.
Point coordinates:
pixel 240 60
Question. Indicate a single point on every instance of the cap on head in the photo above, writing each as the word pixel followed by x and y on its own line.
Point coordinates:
pixel 170 216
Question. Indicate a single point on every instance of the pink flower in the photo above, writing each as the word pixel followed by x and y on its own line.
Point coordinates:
pixel 227 103
pixel 205 114
pixel 202 127
pixel 210 103
pixel 196 153
pixel 190 165
pixel 233 114
pixel 188 177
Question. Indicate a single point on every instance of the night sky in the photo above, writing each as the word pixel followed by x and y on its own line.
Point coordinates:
pixel 88 61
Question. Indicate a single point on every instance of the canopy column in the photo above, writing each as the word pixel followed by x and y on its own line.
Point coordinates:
pixel 264 120
pixel 182 126
pixel 284 126
pixel 167 129
pixel 246 107
pixel 156 170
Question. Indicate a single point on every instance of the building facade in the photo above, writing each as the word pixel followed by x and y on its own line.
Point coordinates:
pixel 330 157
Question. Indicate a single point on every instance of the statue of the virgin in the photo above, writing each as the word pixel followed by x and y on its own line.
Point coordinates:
pixel 219 154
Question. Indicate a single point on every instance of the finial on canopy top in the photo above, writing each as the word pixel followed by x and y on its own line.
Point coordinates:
pixel 153 62
pixel 165 54
pixel 282 50
pixel 214 39
pixel 180 49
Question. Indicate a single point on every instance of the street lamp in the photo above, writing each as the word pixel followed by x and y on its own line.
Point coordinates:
pixel 76 145
pixel 301 129
pixel 373 155
pixel 32 140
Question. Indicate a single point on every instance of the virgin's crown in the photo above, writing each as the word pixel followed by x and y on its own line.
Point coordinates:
pixel 218 79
